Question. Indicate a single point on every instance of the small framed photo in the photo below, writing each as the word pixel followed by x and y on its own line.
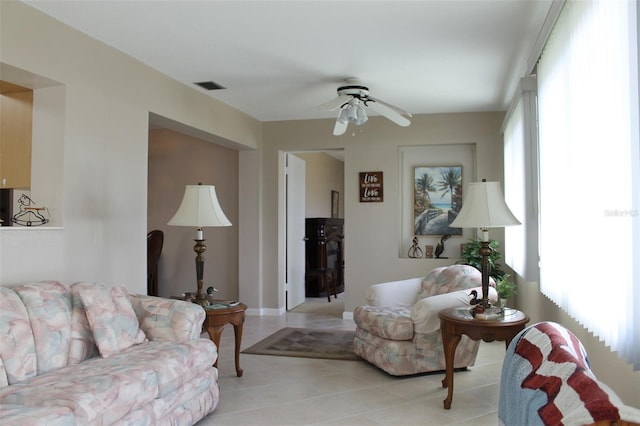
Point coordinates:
pixel 335 204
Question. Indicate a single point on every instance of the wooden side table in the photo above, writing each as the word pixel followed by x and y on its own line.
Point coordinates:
pixel 455 322
pixel 219 315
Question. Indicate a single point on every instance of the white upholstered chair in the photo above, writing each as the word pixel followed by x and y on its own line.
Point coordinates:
pixel 399 328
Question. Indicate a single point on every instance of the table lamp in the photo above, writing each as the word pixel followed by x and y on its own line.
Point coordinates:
pixel 484 207
pixel 200 208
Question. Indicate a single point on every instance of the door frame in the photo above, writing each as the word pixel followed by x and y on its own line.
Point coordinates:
pixel 282 236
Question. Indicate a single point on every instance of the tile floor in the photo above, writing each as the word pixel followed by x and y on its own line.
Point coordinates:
pixel 301 391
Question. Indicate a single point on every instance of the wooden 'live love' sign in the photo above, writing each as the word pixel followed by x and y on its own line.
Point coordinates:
pixel 371 188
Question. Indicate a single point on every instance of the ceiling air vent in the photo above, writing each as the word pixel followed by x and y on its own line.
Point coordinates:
pixel 210 85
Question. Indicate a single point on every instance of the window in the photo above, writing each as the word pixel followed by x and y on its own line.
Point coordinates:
pixel 589 170
pixel 520 170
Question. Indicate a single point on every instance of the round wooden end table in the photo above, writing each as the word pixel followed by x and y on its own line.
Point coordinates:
pixel 455 322
pixel 219 315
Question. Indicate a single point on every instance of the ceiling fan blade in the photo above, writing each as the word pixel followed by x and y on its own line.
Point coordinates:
pixel 392 107
pixel 334 103
pixel 389 111
pixel 340 128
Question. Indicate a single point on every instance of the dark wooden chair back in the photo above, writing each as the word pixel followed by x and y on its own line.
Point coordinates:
pixel 155 239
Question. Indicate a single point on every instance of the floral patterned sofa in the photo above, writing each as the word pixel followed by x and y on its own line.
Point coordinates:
pixel 399 329
pixel 89 354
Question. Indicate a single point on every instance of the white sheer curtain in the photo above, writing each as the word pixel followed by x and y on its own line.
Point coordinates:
pixel 514 182
pixel 520 181
pixel 589 170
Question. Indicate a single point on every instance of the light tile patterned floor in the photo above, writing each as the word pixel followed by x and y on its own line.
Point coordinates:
pixel 302 391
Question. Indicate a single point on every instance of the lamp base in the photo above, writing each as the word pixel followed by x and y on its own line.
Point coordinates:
pixel 202 301
pixel 201 297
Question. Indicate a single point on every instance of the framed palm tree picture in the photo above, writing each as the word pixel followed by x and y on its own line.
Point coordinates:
pixel 437 199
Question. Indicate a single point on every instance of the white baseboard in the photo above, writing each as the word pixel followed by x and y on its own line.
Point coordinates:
pixel 267 312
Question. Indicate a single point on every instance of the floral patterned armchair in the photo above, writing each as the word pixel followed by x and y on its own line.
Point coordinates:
pixel 399 329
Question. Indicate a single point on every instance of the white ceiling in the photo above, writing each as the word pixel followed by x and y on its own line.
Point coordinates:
pixel 280 59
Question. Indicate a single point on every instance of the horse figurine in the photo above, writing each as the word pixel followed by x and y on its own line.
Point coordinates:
pixel 415 252
pixel 29 214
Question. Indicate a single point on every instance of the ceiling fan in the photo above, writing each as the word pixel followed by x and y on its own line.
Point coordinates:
pixel 353 97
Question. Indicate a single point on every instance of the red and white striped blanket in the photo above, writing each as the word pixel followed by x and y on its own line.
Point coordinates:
pixel 547 380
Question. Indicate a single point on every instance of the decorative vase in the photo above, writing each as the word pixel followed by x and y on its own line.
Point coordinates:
pixel 503 303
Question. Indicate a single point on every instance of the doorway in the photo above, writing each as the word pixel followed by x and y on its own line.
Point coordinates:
pixel 323 191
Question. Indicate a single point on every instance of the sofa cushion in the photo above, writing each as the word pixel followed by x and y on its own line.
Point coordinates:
pixel 200 396
pixel 49 306
pixel 396 357
pixel 97 393
pixel 112 319
pixel 22 415
pixel 392 323
pixel 447 279
pixel 168 319
pixel 17 344
pixel 82 346
pixel 174 363
pixel 394 293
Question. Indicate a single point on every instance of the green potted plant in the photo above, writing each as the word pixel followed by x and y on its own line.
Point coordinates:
pixel 470 256
pixel 505 289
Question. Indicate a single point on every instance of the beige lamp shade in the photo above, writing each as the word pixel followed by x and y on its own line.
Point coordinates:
pixel 484 207
pixel 200 208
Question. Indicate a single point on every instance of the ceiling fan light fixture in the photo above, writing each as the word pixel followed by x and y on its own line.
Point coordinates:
pixel 361 116
pixel 353 113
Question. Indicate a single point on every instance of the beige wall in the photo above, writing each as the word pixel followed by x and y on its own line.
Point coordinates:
pixel 48 150
pixel 108 98
pixel 176 160
pixel 324 174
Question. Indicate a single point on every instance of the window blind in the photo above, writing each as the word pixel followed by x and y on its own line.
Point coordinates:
pixel 589 170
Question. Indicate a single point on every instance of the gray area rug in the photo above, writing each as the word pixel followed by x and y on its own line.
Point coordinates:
pixel 307 343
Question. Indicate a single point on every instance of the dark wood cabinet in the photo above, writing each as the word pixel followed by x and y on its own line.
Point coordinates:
pixel 324 250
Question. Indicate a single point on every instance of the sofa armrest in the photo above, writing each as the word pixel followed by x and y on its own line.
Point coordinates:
pixel 424 314
pixel 168 319
pixel 394 293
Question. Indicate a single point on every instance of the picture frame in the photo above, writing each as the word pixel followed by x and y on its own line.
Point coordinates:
pixel 335 204
pixel 437 199
pixel 371 187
